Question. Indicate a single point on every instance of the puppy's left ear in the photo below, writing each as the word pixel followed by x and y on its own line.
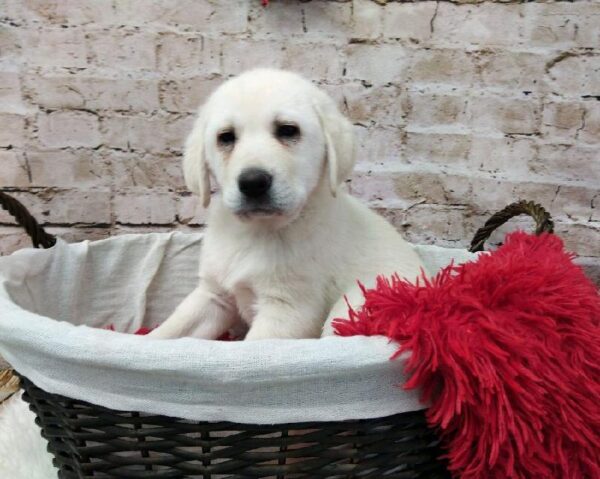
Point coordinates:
pixel 195 168
pixel 339 143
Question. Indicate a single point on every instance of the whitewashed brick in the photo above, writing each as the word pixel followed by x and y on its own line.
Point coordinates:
pixel 449 67
pixel 240 55
pixel 93 93
pixel 427 109
pixel 581 239
pixel 68 168
pixel 378 146
pixel 14 170
pixel 407 21
pixel 12 130
pixel 65 207
pixel 279 20
pixel 440 148
pixel 367 19
pixel 12 239
pixel 135 169
pixel 382 105
pixel 562 120
pixel 325 19
pixel 487 24
pixel 590 130
pixel 571 163
pixel 512 70
pixel 144 207
pixel 377 64
pixel 69 128
pixel 506 115
pixel 505 156
pixel 10 93
pixel 57 47
pixel 186 95
pixel 188 54
pixel 64 12
pixel 190 15
pixel 576 75
pixel 122 50
pixel 558 24
pixel 190 211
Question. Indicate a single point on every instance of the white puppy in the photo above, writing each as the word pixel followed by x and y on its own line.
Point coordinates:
pixel 284 242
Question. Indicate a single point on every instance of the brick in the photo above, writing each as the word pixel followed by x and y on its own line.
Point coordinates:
pixel 562 120
pixel 591 268
pixel 487 24
pixel 574 202
pixel 144 206
pixel 12 132
pixel 409 21
pixel 416 187
pixel 315 62
pixel 378 146
pixel 12 239
pixel 441 225
pixel 65 12
pixel 590 130
pixel 377 190
pixel 427 109
pixel 186 95
pixel 69 128
pixel 122 50
pixel 367 19
pixel 188 54
pixel 188 15
pixel 11 44
pixel 10 93
pixel 325 19
pixel 382 105
pixel 442 66
pixel 190 212
pixel 502 156
pixel 512 70
pixel 506 115
pixel 377 64
pixel 440 148
pixel 133 169
pixel 65 207
pixel 280 20
pixel 14 170
pixel 561 25
pixel 581 239
pixel 568 163
pixel 156 134
pixel 241 55
pixel 54 48
pixel 68 168
pixel 92 93
pixel 574 75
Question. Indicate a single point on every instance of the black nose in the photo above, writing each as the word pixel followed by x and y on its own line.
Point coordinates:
pixel 254 182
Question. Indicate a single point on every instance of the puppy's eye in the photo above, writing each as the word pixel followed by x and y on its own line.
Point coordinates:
pixel 226 138
pixel 287 131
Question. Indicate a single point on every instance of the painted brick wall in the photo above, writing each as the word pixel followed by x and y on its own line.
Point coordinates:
pixel 460 107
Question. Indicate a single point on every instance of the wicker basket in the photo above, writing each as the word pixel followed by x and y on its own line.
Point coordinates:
pixel 87 440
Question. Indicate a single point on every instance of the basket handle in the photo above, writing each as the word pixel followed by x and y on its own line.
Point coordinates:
pixel 38 236
pixel 543 221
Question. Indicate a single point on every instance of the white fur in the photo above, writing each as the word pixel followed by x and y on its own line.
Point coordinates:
pixel 282 274
pixel 22 449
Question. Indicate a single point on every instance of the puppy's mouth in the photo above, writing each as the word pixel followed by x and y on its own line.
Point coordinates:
pixel 256 211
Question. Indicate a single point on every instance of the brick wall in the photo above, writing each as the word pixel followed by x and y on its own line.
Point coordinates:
pixel 460 107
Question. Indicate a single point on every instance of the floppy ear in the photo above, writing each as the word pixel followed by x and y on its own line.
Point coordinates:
pixel 339 144
pixel 195 169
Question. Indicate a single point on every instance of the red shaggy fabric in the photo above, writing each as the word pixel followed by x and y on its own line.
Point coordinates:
pixel 506 350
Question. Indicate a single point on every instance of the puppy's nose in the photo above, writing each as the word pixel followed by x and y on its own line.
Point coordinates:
pixel 254 182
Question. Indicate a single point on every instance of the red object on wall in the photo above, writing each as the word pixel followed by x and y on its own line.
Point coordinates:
pixel 506 350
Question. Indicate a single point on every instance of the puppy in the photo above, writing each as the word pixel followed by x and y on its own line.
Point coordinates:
pixel 284 244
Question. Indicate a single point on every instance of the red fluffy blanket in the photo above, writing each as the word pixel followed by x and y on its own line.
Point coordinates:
pixel 506 350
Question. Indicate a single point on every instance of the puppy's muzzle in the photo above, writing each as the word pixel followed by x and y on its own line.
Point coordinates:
pixel 255 183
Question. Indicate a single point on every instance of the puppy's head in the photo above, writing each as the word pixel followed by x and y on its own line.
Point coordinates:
pixel 267 138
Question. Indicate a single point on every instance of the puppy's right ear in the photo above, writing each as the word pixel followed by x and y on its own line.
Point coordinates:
pixel 195 168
